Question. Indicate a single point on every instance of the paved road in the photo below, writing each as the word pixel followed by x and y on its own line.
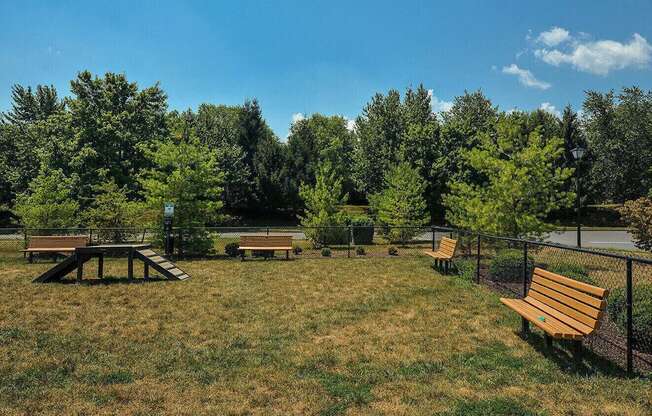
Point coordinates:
pixel 594 239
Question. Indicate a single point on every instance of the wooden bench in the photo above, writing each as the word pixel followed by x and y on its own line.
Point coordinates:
pixel 54 244
pixel 563 308
pixel 445 253
pixel 260 242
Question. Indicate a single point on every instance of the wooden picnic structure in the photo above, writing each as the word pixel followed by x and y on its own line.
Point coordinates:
pixel 562 307
pixel 263 242
pixel 82 254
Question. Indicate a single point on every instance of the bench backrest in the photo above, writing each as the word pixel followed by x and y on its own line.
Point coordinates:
pixel 575 303
pixel 57 241
pixel 266 240
pixel 447 246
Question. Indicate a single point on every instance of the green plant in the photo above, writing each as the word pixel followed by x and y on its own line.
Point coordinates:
pixel 359 251
pixel 231 249
pixel 465 268
pixel 641 313
pixel 326 252
pixel 573 271
pixel 507 266
pixel 362 229
pixel 638 214
pixel 297 250
pixel 392 251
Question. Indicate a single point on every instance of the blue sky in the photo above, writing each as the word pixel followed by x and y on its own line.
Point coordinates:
pixel 332 56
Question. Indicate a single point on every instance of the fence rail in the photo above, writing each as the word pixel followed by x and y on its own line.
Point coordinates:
pixel 502 264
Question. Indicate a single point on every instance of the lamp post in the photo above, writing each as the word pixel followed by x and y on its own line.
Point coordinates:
pixel 578 154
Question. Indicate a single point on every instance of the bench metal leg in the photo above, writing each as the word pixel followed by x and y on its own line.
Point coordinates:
pixel 525 327
pixel 146 271
pixel 577 352
pixel 548 339
pixel 31 257
pixel 100 266
pixel 287 254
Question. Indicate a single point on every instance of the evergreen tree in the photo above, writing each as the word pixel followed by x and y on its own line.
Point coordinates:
pixel 28 106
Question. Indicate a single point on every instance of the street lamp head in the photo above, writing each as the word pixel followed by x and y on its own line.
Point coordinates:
pixel 578 153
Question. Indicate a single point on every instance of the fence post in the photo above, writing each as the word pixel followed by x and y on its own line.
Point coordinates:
pixel 477 266
pixel 525 269
pixel 630 301
pixel 348 249
pixel 432 229
pixel 267 230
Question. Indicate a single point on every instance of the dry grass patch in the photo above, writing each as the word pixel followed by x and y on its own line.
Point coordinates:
pixel 322 337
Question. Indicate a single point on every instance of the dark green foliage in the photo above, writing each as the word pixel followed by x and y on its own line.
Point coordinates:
pixel 466 268
pixel 641 313
pixel 326 252
pixel 573 271
pixel 362 229
pixel 231 249
pixel 297 250
pixel 359 251
pixel 392 251
pixel 29 107
pixel 507 266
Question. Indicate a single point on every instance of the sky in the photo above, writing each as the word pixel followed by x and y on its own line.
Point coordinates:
pixel 331 57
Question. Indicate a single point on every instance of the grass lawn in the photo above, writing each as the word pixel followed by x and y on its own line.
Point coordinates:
pixel 305 337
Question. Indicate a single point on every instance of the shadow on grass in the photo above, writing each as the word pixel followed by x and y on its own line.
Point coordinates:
pixel 561 354
pixel 112 280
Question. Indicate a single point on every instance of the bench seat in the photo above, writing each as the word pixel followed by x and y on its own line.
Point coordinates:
pixel 262 248
pixel 49 250
pixel 444 253
pixel 265 242
pixel 54 244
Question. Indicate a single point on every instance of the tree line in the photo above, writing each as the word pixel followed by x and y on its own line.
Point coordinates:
pixel 111 153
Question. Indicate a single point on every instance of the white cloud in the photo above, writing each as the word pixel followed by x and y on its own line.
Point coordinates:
pixel 554 36
pixel 438 105
pixel 296 117
pixel 350 124
pixel 600 57
pixel 549 108
pixel 525 77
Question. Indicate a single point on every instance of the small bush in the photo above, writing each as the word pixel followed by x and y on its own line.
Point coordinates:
pixel 326 252
pixel 637 215
pixel 363 230
pixel 392 251
pixel 507 266
pixel 641 314
pixel 573 271
pixel 297 250
pixel 465 269
pixel 231 249
pixel 359 250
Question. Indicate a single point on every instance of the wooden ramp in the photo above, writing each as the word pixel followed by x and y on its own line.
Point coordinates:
pixel 56 273
pixel 165 267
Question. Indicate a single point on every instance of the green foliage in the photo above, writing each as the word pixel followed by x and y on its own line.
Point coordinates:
pixel 573 271
pixel 465 269
pixel 638 215
pixel 641 313
pixel 28 106
pixel 359 251
pixel 297 250
pixel 322 216
pixel 401 203
pixel 392 251
pixel 520 188
pixel 362 229
pixel 231 249
pixel 185 175
pixel 326 252
pixel 48 203
pixel 113 213
pixel 507 266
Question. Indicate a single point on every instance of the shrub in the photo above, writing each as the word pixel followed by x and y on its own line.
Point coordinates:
pixel 392 251
pixel 231 249
pixel 297 250
pixel 638 214
pixel 359 250
pixel 507 266
pixel 573 271
pixel 363 230
pixel 326 252
pixel 196 242
pixel 465 269
pixel 641 314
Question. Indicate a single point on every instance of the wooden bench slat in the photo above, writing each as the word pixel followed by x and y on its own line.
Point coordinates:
pixel 263 248
pixel 577 325
pixel 551 325
pixel 587 320
pixel 584 287
pixel 568 291
pixel 568 301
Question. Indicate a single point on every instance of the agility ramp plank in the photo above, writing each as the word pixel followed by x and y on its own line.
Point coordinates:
pixel 57 272
pixel 165 267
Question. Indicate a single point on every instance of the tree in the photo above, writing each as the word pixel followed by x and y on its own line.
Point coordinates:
pixel 185 174
pixel 520 186
pixel 48 203
pixel 638 214
pixel 29 106
pixel 322 202
pixel 401 203
pixel 619 136
pixel 112 213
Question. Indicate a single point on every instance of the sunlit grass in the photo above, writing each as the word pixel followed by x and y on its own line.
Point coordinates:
pixel 309 336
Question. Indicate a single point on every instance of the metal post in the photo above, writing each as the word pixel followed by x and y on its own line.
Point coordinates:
pixel 432 229
pixel 267 230
pixel 525 269
pixel 348 249
pixel 477 266
pixel 630 301
pixel 90 236
pixel 579 205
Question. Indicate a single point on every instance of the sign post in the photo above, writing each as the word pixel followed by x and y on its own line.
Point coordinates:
pixel 168 214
